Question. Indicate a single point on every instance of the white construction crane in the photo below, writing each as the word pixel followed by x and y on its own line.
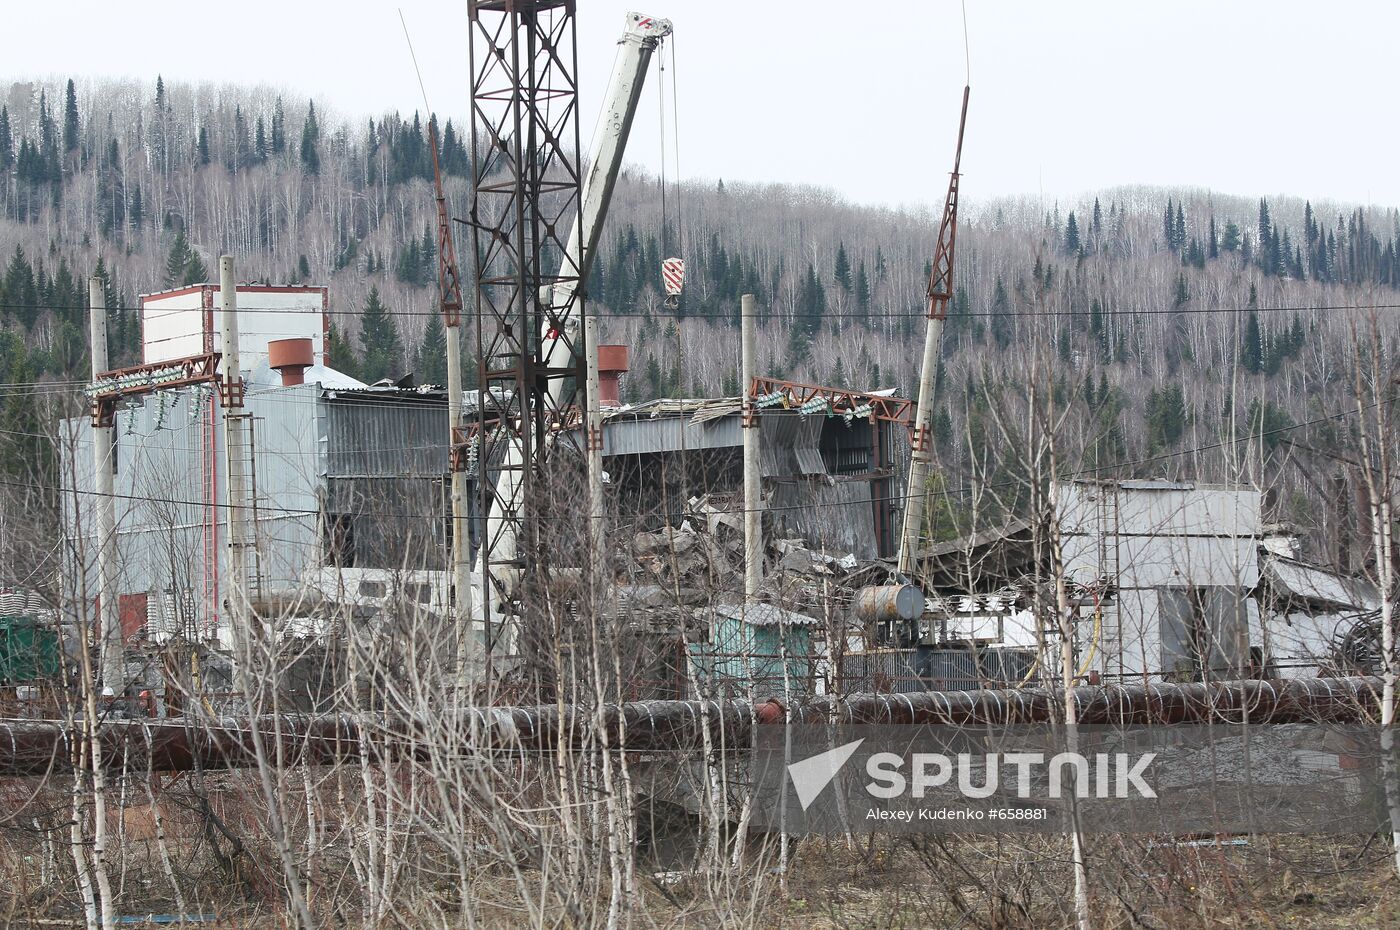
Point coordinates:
pixel 640 38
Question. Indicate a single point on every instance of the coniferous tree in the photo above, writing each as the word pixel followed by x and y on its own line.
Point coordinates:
pixel 203 145
pixel 862 287
pixel 195 272
pixel 1213 244
pixel 379 340
pixel 70 118
pixel 259 141
pixel 1230 240
pixel 1001 315
pixel 1072 244
pixel 177 260
pixel 842 275
pixel 338 351
pixel 310 141
pixel 7 142
pixel 1180 292
pixel 1252 345
pixel 279 128
pixel 431 364
pixel 813 307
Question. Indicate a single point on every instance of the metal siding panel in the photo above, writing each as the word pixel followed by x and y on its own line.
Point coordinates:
pixel 838 518
pixel 623 436
pixel 385 437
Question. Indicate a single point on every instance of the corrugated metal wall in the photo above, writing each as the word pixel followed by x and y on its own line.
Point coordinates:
pixel 385 435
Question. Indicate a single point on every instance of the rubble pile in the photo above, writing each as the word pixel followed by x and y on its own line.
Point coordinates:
pixel 701 562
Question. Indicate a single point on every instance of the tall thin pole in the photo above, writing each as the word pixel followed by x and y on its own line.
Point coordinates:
pixel 940 292
pixel 753 503
pixel 113 658
pixel 461 514
pixel 240 538
pixel 594 425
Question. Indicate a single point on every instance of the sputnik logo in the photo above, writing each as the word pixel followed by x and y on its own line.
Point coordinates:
pixel 811 776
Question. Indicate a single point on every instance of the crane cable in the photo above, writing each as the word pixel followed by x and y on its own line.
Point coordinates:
pixel 668 256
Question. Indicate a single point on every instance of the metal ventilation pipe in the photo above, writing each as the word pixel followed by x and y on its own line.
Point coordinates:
pixel 291 358
pixel 612 365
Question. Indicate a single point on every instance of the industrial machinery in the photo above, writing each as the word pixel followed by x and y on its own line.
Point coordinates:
pixel 524 383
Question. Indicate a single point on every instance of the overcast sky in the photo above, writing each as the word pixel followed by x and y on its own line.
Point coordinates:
pixel 1255 98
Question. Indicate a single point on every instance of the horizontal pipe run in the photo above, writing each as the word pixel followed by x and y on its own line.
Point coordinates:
pixel 38 747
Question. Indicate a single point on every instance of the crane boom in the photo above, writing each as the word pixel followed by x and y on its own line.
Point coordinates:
pixel 640 39
pixel 940 292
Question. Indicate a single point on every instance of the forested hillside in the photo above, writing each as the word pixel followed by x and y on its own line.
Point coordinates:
pixel 1110 302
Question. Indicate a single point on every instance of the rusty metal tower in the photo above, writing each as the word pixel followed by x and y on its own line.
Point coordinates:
pixel 524 203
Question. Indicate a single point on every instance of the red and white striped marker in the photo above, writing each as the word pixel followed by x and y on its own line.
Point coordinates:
pixel 673 275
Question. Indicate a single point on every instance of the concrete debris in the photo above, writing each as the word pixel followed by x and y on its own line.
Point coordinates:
pixel 706 554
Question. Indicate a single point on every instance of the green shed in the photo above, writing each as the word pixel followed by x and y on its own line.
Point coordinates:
pixel 29 649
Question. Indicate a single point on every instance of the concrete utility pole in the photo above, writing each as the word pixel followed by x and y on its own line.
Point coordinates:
pixel 461 513
pixel 753 468
pixel 236 449
pixel 594 424
pixel 112 655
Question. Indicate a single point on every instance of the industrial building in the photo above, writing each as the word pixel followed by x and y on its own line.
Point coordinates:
pixel 346 478
pixel 349 486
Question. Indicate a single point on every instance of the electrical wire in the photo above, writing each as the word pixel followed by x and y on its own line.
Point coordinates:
pixel 860 314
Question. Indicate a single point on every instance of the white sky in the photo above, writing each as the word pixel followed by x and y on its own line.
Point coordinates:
pixel 1255 98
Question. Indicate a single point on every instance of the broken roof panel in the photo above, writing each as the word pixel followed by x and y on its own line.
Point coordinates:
pixel 762 615
pixel 1319 586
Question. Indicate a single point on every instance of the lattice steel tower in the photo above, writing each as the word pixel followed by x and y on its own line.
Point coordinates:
pixel 525 201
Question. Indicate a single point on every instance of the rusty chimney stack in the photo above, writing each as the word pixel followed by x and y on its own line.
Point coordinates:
pixel 612 363
pixel 291 357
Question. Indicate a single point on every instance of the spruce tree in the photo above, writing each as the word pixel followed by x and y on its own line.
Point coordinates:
pixel 1072 244
pixel 862 287
pixel 7 141
pixel 203 145
pixel 431 364
pixel 1180 292
pixel 177 260
pixel 379 340
pixel 70 118
pixel 842 274
pixel 338 351
pixel 195 272
pixel 1252 345
pixel 1230 240
pixel 310 140
pixel 279 128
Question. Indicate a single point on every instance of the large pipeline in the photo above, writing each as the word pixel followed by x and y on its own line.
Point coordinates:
pixel 37 747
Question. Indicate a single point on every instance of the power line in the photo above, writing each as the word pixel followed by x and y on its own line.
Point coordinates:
pixel 836 314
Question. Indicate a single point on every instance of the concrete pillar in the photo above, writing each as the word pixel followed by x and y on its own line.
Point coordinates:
pixel 237 452
pixel 112 654
pixel 593 423
pixel 921 453
pixel 753 467
pixel 461 516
